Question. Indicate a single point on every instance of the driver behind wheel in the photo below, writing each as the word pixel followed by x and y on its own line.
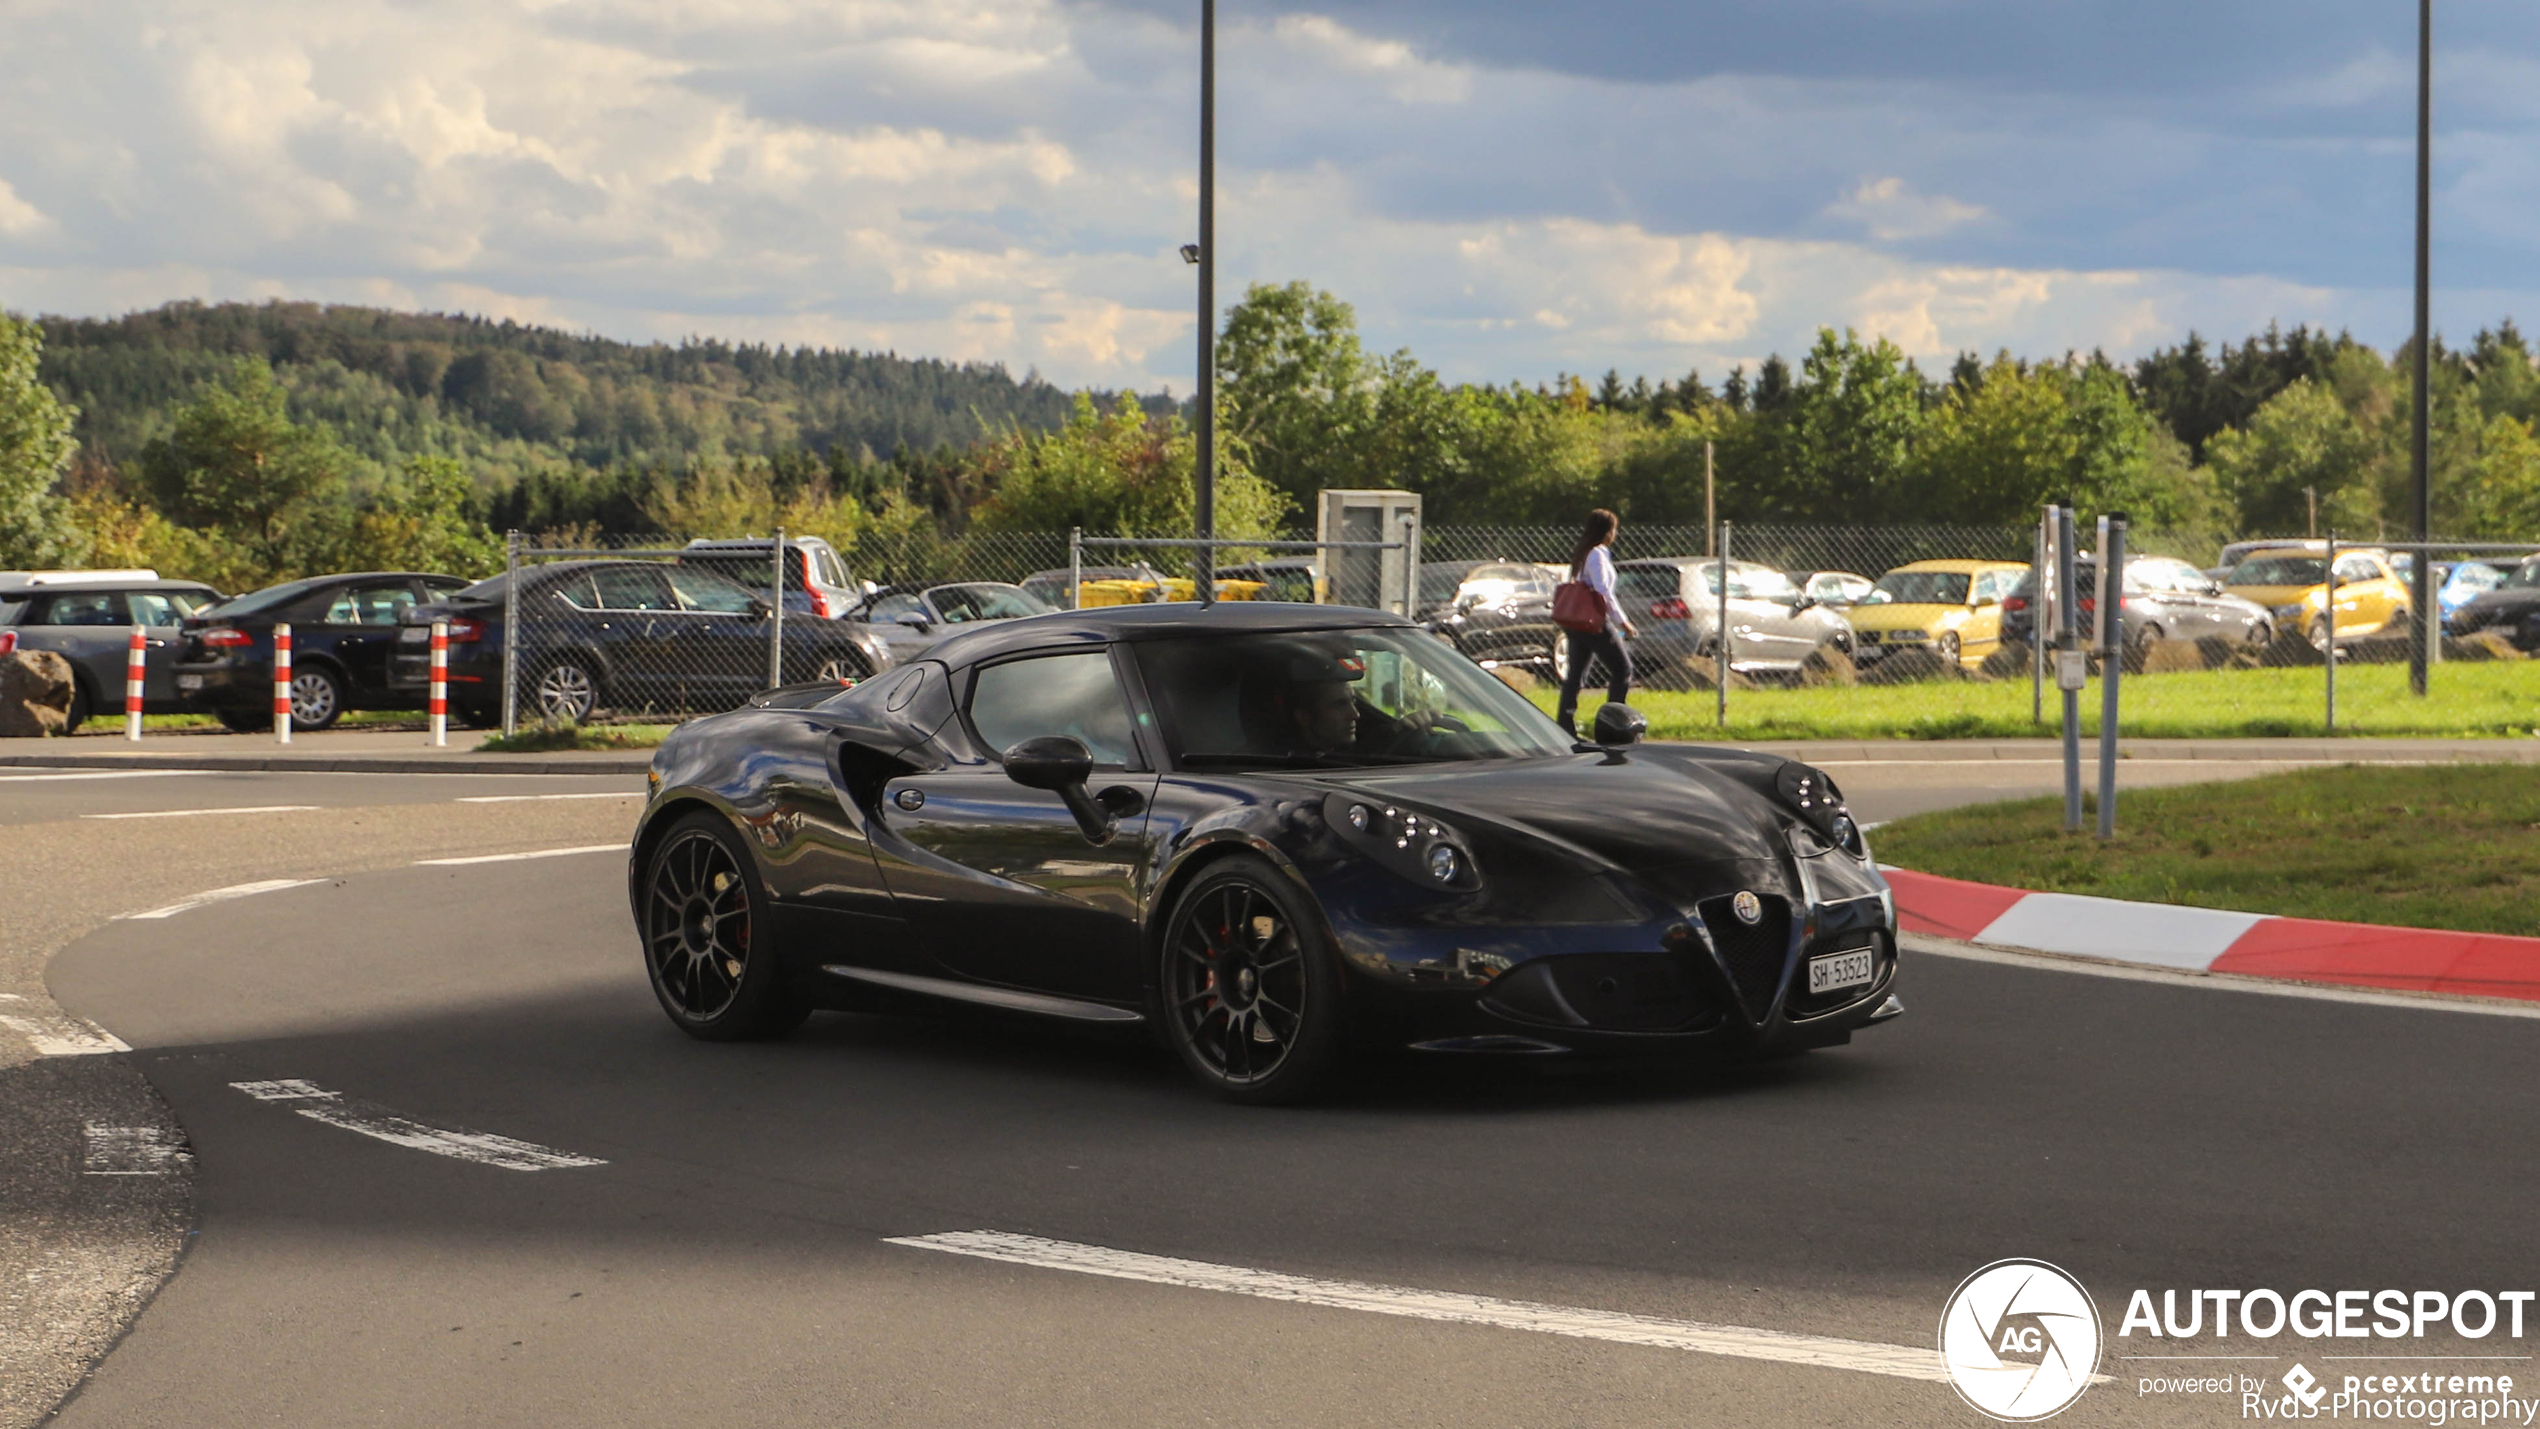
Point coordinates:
pixel 1313 707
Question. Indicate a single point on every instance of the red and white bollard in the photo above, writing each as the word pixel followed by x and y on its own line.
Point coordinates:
pixel 440 697
pixel 136 669
pixel 282 684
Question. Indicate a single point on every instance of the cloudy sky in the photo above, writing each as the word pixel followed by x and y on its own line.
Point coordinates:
pixel 1509 189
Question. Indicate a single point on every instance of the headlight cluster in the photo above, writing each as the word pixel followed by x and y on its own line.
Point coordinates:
pixel 1821 810
pixel 1405 840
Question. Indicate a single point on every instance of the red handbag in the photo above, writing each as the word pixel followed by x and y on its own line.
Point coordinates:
pixel 1576 607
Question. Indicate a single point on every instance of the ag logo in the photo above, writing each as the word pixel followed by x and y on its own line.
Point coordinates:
pixel 2020 1340
pixel 1748 908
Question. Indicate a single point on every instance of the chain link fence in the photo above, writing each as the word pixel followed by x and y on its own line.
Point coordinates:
pixel 1827 631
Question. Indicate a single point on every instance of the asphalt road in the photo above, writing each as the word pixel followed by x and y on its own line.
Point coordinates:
pixel 729 1259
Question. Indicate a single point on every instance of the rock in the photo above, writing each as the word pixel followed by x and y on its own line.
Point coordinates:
pixel 1695 672
pixel 2482 645
pixel 1826 665
pixel 2169 656
pixel 35 694
pixel 1908 666
pixel 1518 678
pixel 2009 659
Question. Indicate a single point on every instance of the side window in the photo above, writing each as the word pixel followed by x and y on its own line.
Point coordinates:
pixel 151 607
pixel 2357 568
pixel 575 590
pixel 1982 590
pixel 632 588
pixel 700 591
pixel 1076 695
pixel 85 607
pixel 370 605
pixel 831 573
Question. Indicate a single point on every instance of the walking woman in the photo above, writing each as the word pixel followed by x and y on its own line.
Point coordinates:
pixel 1592 565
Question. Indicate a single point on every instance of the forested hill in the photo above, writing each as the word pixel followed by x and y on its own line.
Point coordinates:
pixel 510 399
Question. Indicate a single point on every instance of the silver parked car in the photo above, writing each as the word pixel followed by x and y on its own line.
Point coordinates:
pixel 1675 601
pixel 86 617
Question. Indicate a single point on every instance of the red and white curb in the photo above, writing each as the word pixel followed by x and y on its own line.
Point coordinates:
pixel 2209 940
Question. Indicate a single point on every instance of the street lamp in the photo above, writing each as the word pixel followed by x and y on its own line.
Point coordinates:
pixel 1204 253
pixel 2421 577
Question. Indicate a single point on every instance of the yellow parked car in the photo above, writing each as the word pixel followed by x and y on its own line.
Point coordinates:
pixel 2293 586
pixel 1951 608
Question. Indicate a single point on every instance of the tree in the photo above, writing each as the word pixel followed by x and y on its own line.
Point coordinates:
pixel 2504 504
pixel 2301 438
pixel 1121 472
pixel 236 464
pixel 1293 386
pixel 425 520
pixel 1855 417
pixel 35 449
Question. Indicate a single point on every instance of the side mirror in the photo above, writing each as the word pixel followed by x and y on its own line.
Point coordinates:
pixel 1802 601
pixel 1620 724
pixel 1062 765
pixel 914 621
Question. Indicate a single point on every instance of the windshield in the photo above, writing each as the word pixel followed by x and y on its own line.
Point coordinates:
pixel 1335 699
pixel 2279 570
pixel 960 603
pixel 267 599
pixel 1920 588
pixel 1441 580
pixel 2525 577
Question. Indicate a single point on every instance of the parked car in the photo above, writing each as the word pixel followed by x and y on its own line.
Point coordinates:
pixel 2165 599
pixel 1500 614
pixel 2511 609
pixel 2456 583
pixel 817 582
pixel 1840 589
pixel 1286 580
pixel 1675 603
pixel 1951 608
pixel 2236 552
pixel 621 634
pixel 1318 831
pixel 2293 586
pixel 86 617
pixel 343 631
pixel 911 619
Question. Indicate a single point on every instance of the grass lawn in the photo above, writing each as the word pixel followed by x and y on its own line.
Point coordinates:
pixel 2497 699
pixel 546 738
pixel 2423 846
pixel 111 723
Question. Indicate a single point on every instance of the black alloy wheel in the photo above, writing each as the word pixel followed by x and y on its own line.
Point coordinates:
pixel 565 689
pixel 1250 1002
pixel 704 945
pixel 317 698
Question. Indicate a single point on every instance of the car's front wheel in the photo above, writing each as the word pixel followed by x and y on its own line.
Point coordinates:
pixel 317 698
pixel 1251 1002
pixel 706 946
pixel 1947 649
pixel 565 689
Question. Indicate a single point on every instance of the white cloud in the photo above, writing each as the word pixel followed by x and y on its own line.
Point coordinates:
pixel 1890 210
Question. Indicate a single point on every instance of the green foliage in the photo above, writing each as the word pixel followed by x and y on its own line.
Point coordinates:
pixel 1118 472
pixel 425 520
pixel 2302 438
pixel 235 464
pixel 35 448
pixel 1294 386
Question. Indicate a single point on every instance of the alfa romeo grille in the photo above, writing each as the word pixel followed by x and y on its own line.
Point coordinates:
pixel 1754 953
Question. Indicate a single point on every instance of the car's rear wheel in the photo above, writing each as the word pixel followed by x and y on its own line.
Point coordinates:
pixel 566 689
pixel 1250 1000
pixel 317 698
pixel 706 948
pixel 839 669
pixel 2318 633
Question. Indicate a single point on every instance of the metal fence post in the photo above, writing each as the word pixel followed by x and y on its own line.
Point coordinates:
pixel 2068 661
pixel 1724 646
pixel 776 620
pixel 511 634
pixel 2328 618
pixel 1411 566
pixel 1076 568
pixel 2112 664
pixel 2037 619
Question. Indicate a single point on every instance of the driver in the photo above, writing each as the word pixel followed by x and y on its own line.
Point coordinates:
pixel 1316 699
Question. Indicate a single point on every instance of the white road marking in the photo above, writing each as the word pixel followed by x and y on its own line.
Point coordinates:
pixel 196 813
pixel 1902 1361
pixel 223 895
pixel 483 1148
pixel 530 798
pixel 2217 982
pixel 64 1036
pixel 102 774
pixel 132 1151
pixel 509 857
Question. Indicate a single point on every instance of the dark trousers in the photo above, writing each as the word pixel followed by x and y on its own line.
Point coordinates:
pixel 1602 645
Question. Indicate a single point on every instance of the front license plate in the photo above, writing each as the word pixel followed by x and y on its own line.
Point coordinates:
pixel 1836 971
pixel 189 683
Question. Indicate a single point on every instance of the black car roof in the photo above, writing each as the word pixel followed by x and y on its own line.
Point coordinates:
pixel 1154 622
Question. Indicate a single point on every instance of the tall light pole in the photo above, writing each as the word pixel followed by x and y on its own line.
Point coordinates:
pixel 2421 575
pixel 1204 479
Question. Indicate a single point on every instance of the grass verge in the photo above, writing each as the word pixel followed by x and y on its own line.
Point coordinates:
pixel 2420 846
pixel 548 738
pixel 2497 700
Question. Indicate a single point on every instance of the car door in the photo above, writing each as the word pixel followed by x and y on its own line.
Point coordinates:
pixel 2363 604
pixel 161 615
pixel 718 637
pixel 635 610
pixel 1784 634
pixel 1983 630
pixel 89 628
pixel 359 627
pixel 997 879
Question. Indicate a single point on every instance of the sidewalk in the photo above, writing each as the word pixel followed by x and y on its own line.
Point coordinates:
pixel 328 751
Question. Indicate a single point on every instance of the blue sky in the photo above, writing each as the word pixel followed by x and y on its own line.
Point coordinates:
pixel 1509 190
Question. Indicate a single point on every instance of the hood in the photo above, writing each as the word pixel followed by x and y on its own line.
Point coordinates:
pixel 1682 831
pixel 2272 596
pixel 1904 615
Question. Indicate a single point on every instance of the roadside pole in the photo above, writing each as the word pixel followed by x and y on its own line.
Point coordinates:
pixel 511 634
pixel 1723 646
pixel 439 695
pixel 776 620
pixel 282 684
pixel 2328 616
pixel 2037 618
pixel 136 670
pixel 2112 662
pixel 1075 568
pixel 2071 665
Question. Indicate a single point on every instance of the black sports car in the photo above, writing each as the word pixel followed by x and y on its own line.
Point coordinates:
pixel 1266 833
